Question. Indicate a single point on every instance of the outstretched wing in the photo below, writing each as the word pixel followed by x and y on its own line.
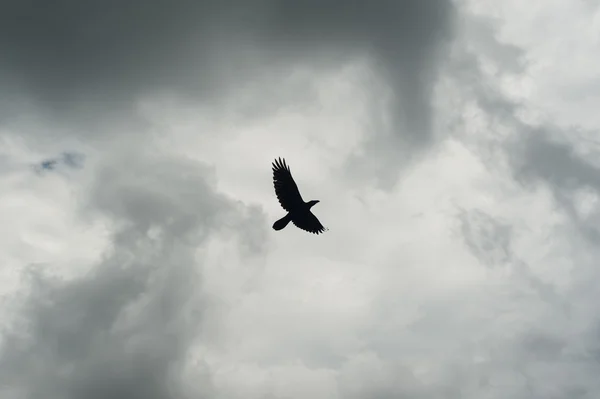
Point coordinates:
pixel 309 222
pixel 285 187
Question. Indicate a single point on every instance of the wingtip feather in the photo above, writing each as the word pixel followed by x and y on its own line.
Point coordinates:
pixel 279 163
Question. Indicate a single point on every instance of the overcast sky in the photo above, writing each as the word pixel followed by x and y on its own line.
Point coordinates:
pixel 453 146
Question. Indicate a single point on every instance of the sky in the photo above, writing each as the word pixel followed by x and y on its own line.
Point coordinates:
pixel 453 146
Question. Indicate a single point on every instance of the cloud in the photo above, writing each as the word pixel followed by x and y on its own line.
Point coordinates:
pixel 151 271
pixel 549 150
pixel 125 328
pixel 557 164
pixel 85 65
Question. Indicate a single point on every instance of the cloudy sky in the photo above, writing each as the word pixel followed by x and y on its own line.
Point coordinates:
pixel 453 145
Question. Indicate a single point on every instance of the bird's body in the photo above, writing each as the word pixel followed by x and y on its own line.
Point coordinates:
pixel 290 199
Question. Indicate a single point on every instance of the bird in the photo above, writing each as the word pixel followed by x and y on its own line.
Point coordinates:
pixel 298 211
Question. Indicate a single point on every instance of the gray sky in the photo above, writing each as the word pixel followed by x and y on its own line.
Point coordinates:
pixel 453 146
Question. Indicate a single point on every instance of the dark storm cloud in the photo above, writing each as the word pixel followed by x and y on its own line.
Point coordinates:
pixel 87 57
pixel 126 328
pixel 73 337
pixel 82 59
pixel 556 163
pixel 402 36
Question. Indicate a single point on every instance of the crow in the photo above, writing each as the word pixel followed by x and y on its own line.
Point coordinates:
pixel 290 199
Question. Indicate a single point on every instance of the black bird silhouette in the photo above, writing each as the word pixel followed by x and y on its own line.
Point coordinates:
pixel 290 199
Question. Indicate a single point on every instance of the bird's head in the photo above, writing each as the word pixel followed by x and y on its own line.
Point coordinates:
pixel 312 203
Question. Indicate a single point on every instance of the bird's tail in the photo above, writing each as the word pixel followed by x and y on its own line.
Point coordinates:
pixel 281 223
